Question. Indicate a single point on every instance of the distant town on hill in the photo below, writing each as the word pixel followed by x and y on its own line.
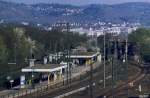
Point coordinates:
pixel 52 13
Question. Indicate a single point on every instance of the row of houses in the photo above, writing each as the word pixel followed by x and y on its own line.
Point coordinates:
pixel 97 32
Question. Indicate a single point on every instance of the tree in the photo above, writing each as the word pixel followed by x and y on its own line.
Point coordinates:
pixel 142 38
pixel 3 51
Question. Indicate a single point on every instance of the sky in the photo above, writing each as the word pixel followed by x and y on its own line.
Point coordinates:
pixel 76 2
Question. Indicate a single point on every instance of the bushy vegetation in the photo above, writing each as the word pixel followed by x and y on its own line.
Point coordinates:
pixel 142 38
pixel 53 41
pixel 17 41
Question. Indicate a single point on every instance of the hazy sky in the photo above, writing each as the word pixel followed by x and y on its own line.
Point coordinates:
pixel 77 2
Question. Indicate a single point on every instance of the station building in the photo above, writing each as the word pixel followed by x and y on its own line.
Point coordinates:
pixel 53 72
pixel 85 58
pixel 56 72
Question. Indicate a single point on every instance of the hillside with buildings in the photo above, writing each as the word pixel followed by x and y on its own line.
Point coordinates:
pixel 90 14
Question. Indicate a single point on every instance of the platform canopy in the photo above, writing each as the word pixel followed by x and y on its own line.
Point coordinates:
pixel 84 55
pixel 44 68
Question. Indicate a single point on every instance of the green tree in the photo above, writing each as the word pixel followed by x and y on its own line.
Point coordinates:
pixel 142 38
pixel 3 51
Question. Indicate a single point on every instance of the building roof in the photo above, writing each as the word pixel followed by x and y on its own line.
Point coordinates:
pixel 44 68
pixel 84 54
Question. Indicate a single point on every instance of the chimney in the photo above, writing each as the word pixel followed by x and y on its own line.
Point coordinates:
pixel 31 62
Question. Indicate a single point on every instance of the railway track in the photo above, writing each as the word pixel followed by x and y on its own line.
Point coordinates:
pixel 119 90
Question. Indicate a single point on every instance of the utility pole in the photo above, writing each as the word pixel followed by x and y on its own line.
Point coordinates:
pixel 112 71
pixel 104 59
pixel 114 66
pixel 96 42
pixel 116 60
pixel 32 76
pixel 126 63
pixel 68 27
pixel 67 67
pixel 15 53
pixel 68 58
pixel 91 80
pixel 70 65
